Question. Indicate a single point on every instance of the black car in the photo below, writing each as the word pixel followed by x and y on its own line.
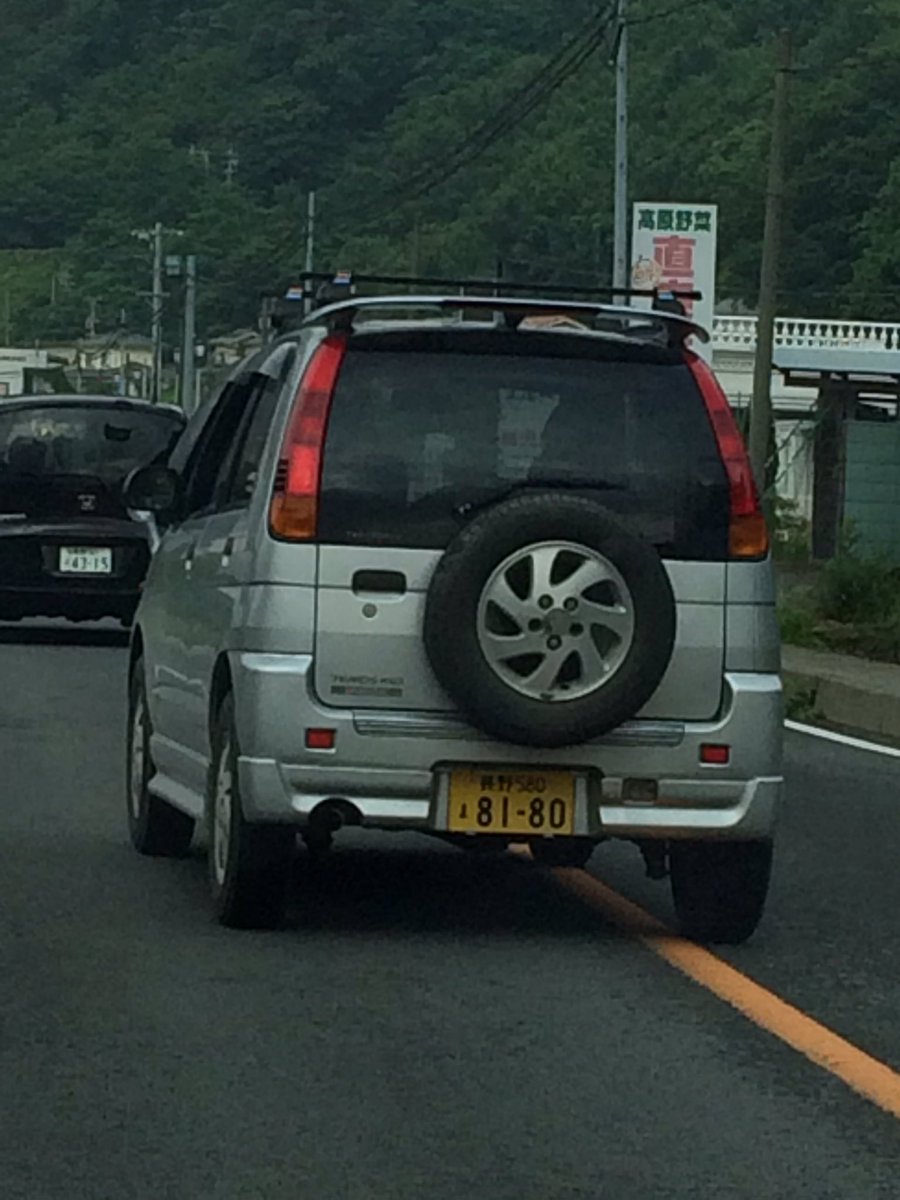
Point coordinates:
pixel 68 547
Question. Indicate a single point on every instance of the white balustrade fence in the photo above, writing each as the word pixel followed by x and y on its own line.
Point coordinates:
pixel 739 333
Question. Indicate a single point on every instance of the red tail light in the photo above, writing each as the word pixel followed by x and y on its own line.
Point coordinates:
pixel 748 534
pixel 715 755
pixel 294 511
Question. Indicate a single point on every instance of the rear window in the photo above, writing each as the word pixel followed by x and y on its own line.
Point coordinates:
pixel 104 441
pixel 418 441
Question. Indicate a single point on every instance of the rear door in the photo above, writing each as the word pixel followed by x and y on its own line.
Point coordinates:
pixel 178 623
pixel 223 548
pixel 425 429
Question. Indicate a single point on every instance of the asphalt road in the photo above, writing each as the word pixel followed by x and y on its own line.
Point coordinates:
pixel 430 1024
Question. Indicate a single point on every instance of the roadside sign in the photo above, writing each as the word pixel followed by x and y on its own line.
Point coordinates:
pixel 674 249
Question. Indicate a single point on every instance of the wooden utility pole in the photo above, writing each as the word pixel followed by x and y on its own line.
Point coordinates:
pixel 620 217
pixel 761 407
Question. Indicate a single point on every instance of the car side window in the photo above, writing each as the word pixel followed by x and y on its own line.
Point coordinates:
pixel 185 449
pixel 214 446
pixel 237 478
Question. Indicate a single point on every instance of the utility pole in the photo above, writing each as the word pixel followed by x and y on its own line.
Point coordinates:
pixel 310 247
pixel 188 351
pixel 232 162
pixel 620 220
pixel 761 406
pixel 157 298
pixel 157 314
pixel 311 233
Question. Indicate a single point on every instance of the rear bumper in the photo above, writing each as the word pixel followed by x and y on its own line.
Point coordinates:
pixel 31 583
pixel 390 767
pixel 77 598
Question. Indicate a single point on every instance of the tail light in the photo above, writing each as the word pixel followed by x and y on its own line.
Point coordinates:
pixel 294 510
pixel 748 534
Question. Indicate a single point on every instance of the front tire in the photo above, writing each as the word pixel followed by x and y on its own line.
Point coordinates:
pixel 720 888
pixel 249 863
pixel 156 828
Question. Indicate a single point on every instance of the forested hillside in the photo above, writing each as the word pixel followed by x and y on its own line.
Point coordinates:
pixel 217 116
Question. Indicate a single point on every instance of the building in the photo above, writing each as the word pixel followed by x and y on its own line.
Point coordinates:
pixel 836 397
pixel 19 368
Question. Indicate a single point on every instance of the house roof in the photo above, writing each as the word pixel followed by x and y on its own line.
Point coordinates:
pixel 807 366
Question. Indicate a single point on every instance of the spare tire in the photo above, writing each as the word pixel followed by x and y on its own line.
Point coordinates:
pixel 547 622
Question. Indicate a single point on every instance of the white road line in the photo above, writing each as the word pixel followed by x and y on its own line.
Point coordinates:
pixel 842 739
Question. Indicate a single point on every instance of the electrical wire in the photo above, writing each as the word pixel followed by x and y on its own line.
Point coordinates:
pixel 676 11
pixel 515 110
pixel 510 114
pixel 706 131
pixel 510 106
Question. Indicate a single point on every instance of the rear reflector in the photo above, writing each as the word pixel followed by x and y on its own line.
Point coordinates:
pixel 294 511
pixel 320 739
pixel 748 534
pixel 715 756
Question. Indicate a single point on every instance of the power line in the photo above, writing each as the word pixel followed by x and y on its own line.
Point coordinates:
pixel 676 11
pixel 515 110
pixel 511 113
pixel 707 130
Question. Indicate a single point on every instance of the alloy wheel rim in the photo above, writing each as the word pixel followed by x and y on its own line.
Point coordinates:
pixel 556 621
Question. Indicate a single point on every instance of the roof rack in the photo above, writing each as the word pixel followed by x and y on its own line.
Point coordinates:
pixel 332 280
pixel 632 322
pixel 336 303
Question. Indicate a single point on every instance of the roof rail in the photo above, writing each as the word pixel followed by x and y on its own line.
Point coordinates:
pixel 331 281
pixel 512 310
pixel 336 300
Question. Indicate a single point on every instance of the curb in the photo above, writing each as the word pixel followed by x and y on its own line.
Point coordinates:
pixel 843 704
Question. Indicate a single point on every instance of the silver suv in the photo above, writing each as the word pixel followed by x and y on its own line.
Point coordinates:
pixel 491 569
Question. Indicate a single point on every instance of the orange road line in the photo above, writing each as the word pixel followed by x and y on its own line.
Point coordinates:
pixel 860 1071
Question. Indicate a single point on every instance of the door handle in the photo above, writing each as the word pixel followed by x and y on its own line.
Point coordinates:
pixel 379 583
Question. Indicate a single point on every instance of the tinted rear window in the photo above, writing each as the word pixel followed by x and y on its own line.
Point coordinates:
pixel 419 440
pixel 104 441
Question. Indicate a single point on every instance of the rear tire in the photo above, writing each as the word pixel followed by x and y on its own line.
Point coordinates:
pixel 156 828
pixel 562 852
pixel 720 888
pixel 249 863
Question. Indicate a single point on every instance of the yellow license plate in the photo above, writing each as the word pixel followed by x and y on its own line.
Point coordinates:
pixel 486 800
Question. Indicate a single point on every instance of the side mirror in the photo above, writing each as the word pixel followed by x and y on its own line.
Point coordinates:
pixel 152 495
pixel 155 489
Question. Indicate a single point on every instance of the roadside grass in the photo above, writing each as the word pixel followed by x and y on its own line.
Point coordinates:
pixel 801 701
pixel 849 605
